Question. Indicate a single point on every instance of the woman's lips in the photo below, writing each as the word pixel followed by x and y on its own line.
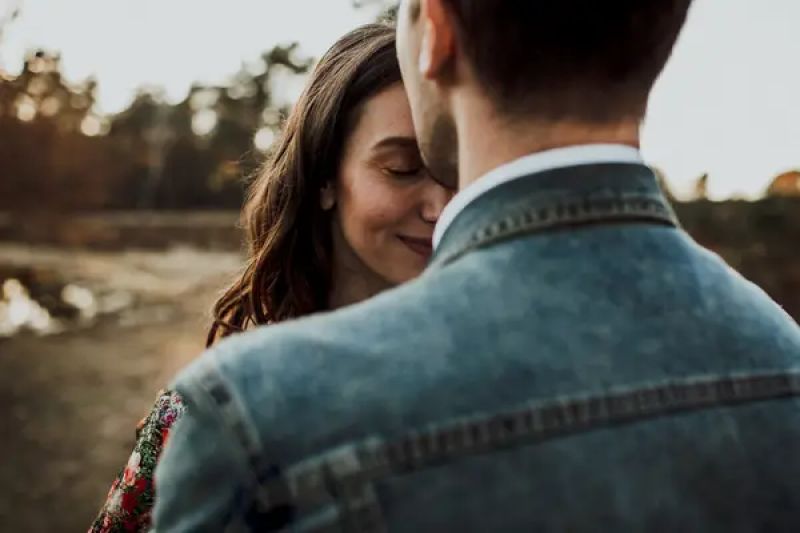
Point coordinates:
pixel 419 246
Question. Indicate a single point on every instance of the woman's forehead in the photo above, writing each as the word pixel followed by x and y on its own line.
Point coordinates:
pixel 385 115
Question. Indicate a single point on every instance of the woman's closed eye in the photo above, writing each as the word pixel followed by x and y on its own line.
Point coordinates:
pixel 405 172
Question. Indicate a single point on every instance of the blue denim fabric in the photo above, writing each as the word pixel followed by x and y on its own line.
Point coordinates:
pixel 571 361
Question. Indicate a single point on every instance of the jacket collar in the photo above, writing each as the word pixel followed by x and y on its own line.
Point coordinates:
pixel 534 164
pixel 556 199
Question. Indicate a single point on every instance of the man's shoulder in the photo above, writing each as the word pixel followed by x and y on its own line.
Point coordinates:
pixel 308 348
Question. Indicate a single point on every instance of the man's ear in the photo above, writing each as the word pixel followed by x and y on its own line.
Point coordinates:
pixel 438 38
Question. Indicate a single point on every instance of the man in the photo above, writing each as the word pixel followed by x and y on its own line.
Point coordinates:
pixel 570 361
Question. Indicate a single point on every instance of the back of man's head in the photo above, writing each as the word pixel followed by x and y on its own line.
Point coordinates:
pixel 568 59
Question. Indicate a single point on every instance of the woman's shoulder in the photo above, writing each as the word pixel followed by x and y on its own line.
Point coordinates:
pixel 129 504
pixel 167 409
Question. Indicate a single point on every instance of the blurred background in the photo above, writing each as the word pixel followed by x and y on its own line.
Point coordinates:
pixel 128 129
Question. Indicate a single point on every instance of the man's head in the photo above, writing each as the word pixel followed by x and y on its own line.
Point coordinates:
pixel 551 61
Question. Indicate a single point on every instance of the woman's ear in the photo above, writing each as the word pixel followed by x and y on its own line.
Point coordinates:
pixel 327 197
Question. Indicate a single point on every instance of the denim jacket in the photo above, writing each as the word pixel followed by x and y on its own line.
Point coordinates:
pixel 570 361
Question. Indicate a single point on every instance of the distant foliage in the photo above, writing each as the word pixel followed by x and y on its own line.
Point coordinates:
pixel 701 188
pixel 786 184
pixel 59 154
pixel 388 8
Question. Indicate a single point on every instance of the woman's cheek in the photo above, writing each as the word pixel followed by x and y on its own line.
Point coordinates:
pixel 384 207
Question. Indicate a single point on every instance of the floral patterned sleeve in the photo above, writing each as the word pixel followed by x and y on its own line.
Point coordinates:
pixel 129 505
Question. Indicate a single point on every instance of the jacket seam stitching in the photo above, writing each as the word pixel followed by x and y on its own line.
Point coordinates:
pixel 358 466
pixel 536 219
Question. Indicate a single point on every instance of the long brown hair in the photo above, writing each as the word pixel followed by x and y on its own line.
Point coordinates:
pixel 287 273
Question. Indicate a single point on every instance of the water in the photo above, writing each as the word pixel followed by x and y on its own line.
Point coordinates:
pixel 39 303
pixel 18 312
pixel 45 290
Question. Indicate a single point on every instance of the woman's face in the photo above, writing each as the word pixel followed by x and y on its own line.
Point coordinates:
pixel 386 204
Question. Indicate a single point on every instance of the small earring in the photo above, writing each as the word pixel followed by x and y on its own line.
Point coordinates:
pixel 326 198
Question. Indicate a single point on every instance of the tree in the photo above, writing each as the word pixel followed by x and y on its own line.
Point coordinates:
pixel 388 8
pixel 59 153
pixel 785 184
pixel 701 188
pixel 47 162
pixel 7 19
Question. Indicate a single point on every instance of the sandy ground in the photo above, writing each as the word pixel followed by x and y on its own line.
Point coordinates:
pixel 69 402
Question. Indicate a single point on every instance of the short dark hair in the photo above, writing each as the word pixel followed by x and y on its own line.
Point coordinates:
pixel 585 59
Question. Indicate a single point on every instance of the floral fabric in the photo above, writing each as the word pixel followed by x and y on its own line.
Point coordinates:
pixel 130 500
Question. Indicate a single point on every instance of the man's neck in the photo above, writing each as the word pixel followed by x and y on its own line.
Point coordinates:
pixel 486 141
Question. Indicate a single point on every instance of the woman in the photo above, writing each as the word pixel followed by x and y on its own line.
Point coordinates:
pixel 342 210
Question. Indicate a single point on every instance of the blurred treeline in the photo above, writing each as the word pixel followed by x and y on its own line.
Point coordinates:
pixel 58 154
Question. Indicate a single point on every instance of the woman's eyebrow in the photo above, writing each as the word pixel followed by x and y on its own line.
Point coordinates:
pixel 396 142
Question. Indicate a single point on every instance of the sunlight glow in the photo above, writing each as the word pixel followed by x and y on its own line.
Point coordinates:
pixel 50 106
pixel 264 139
pixel 81 299
pixel 204 122
pixel 19 311
pixel 91 126
pixel 26 109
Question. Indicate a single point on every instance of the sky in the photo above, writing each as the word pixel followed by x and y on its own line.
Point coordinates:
pixel 728 103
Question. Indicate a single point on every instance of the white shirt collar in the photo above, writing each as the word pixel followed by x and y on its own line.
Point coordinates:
pixel 585 154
